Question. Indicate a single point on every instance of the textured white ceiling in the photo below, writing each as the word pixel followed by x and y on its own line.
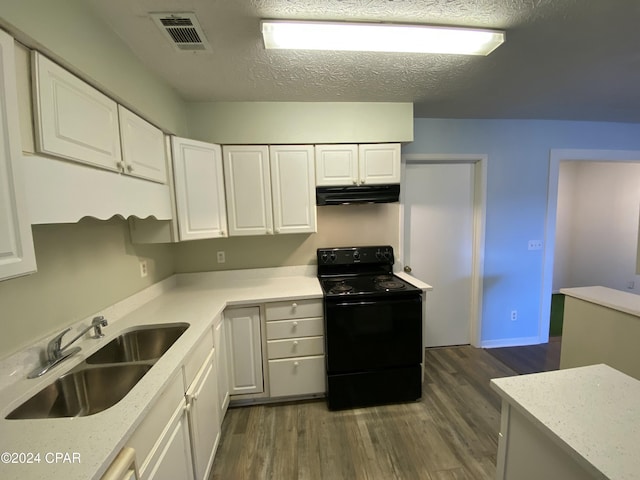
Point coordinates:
pixel 564 59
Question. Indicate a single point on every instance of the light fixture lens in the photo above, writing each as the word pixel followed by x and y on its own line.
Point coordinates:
pixel 378 37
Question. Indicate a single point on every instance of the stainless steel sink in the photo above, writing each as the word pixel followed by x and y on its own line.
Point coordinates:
pixel 142 344
pixel 82 391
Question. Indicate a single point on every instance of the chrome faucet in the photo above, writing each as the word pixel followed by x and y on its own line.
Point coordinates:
pixel 56 353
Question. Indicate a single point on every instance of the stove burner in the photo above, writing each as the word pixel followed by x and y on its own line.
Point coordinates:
pixel 391 285
pixel 341 287
pixel 383 278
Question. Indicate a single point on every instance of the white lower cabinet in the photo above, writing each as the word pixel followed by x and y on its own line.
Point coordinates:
pixel 204 419
pixel 179 437
pixel 295 346
pixel 162 441
pixel 528 452
pixel 244 350
pixel 220 343
pixel 172 457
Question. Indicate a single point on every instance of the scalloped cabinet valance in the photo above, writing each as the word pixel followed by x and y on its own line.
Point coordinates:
pixel 98 158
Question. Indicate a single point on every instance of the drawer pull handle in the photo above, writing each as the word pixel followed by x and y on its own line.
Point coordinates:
pixel 294 305
pixel 295 343
pixel 296 364
pixel 295 324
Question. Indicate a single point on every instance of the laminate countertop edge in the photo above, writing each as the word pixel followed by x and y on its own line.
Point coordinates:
pixel 626 302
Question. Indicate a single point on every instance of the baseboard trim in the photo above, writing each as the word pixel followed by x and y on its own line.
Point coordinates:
pixel 511 342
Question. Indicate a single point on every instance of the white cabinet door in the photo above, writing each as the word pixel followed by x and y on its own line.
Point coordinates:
pixel 336 165
pixel 173 457
pixel 143 149
pixel 244 349
pixel 248 187
pixel 220 345
pixel 199 189
pixel 74 120
pixel 16 243
pixel 379 163
pixel 293 188
pixel 204 421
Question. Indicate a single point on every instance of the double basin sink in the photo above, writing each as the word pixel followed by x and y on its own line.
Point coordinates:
pixel 105 377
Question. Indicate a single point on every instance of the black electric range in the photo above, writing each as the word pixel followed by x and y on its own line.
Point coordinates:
pixel 373 328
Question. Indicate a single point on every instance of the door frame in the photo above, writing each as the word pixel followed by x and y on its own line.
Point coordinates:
pixel 555 157
pixel 479 162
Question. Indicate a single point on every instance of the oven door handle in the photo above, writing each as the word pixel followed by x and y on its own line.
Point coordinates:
pixel 359 303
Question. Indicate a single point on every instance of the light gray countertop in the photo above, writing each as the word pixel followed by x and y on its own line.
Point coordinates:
pixel 626 302
pixel 592 413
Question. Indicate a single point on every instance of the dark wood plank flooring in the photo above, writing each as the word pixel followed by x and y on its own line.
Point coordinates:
pixel 451 434
pixel 531 358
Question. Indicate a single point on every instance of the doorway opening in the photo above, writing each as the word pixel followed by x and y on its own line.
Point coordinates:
pixel 558 157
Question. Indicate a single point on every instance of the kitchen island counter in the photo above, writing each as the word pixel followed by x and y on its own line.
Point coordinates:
pixel 626 302
pixel 601 325
pixel 585 420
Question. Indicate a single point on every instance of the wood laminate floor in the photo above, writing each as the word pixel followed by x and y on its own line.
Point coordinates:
pixel 451 434
pixel 543 357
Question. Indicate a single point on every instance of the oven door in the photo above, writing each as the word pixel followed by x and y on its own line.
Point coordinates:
pixel 373 334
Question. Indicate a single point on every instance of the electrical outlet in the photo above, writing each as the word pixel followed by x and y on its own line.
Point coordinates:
pixel 535 245
pixel 514 315
pixel 143 268
pixel 221 257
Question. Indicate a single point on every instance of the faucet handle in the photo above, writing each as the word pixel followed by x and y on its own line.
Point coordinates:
pixel 97 323
pixel 54 349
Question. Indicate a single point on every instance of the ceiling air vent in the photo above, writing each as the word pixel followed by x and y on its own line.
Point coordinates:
pixel 182 30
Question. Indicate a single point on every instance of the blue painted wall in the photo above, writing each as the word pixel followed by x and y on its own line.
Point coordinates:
pixel 517 181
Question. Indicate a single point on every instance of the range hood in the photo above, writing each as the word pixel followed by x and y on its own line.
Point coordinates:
pixel 357 194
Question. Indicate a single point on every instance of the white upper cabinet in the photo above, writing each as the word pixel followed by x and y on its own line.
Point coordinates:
pixel 74 120
pixel 143 151
pixel 293 188
pixel 248 186
pixel 379 163
pixel 199 189
pixel 270 189
pixel 16 243
pixel 336 165
pixel 365 164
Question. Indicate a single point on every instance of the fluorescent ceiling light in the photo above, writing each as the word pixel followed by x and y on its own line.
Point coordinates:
pixel 378 37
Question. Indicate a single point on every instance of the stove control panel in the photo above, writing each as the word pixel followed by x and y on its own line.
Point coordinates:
pixel 354 255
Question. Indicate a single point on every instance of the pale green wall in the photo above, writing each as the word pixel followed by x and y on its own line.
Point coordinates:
pixel 85 267
pixel 70 33
pixel 338 225
pixel 82 268
pixel 300 122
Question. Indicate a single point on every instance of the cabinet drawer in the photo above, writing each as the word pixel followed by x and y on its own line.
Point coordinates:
pixel 303 327
pixel 294 309
pixel 297 376
pixel 295 347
